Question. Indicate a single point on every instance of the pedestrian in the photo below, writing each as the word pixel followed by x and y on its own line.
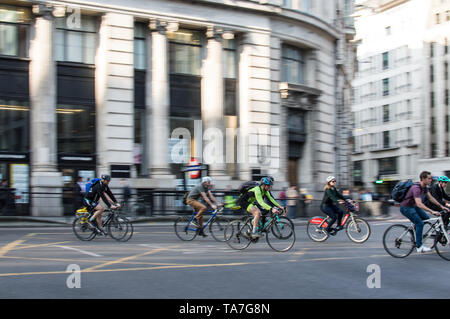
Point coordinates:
pixel 304 200
pixel 282 197
pixel 292 198
pixel 5 197
pixel 78 193
pixel 126 194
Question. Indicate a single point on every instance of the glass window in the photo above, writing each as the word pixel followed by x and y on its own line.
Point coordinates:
pixel 229 59
pixel 140 51
pixel 14 31
pixel 292 65
pixel 386 139
pixel 387 166
pixel 385 86
pixel 385 60
pixel 14 125
pixel 76 42
pixel 76 129
pixel 185 51
pixel 386 113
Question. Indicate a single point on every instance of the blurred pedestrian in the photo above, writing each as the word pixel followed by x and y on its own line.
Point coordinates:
pixel 126 195
pixel 78 193
pixel 304 200
pixel 6 198
pixel 292 199
pixel 282 197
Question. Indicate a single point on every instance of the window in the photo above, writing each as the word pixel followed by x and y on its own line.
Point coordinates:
pixel 385 60
pixel 438 18
pixel 386 87
pixel 14 31
pixel 185 52
pixel 76 43
pixel 14 125
pixel 386 139
pixel 432 99
pixel 431 73
pixel 446 70
pixel 385 113
pixel 433 125
pixel 229 74
pixel 140 52
pixel 292 65
pixel 432 49
pixel 388 30
pixel 446 97
pixel 357 171
pixel 387 166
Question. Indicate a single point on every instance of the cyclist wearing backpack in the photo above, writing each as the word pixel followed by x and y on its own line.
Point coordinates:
pixel 100 189
pixel 257 205
pixel 438 192
pixel 413 208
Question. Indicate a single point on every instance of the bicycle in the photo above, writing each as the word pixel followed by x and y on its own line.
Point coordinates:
pixel 278 230
pixel 357 229
pixel 399 240
pixel 187 231
pixel 118 227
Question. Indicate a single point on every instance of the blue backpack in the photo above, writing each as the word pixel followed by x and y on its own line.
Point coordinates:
pixel 91 183
pixel 399 192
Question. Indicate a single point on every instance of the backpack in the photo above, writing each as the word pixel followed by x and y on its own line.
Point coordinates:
pixel 91 183
pixel 243 192
pixel 399 192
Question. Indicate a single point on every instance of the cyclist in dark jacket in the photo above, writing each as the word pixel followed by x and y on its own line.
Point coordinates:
pixel 438 192
pixel 100 190
pixel 329 206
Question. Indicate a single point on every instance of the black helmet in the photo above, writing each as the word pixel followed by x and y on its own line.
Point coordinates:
pixel 106 177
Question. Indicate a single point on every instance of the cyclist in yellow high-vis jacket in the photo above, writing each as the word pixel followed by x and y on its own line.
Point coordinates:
pixel 257 204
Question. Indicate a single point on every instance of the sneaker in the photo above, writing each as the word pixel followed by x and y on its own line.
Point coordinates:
pixel 340 227
pixel 256 235
pixel 423 249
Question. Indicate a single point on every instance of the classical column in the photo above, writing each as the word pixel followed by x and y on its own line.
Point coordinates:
pixel 160 102
pixel 44 175
pixel 213 105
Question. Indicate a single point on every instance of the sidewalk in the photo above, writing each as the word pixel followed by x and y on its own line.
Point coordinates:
pixel 66 221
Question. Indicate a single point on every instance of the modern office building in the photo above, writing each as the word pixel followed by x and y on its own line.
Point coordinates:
pixel 136 89
pixel 400 109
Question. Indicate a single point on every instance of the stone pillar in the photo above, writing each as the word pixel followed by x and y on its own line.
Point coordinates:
pixel 213 105
pixel 44 175
pixel 160 103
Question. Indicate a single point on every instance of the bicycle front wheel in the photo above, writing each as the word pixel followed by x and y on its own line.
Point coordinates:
pixel 184 228
pixel 82 229
pixel 398 241
pixel 281 235
pixel 442 246
pixel 238 234
pixel 315 231
pixel 118 229
pixel 358 230
pixel 217 228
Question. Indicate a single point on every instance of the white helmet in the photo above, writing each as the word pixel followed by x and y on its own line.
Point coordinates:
pixel 206 179
pixel 330 178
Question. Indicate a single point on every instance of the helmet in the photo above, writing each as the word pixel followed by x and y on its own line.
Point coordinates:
pixel 443 179
pixel 206 179
pixel 330 178
pixel 106 177
pixel 267 181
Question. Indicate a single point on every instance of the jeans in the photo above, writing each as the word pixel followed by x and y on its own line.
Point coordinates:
pixel 417 216
pixel 334 212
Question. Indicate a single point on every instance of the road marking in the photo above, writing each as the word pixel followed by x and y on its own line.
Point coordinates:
pixel 78 250
pixel 40 245
pixel 10 246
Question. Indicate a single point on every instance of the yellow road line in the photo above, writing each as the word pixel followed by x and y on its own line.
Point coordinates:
pixel 10 246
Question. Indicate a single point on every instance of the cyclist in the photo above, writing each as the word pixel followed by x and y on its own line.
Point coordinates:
pixel 202 190
pixel 330 205
pixel 100 189
pixel 413 208
pixel 257 205
pixel 439 194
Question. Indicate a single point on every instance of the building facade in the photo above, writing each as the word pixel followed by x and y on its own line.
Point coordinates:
pixel 136 90
pixel 399 106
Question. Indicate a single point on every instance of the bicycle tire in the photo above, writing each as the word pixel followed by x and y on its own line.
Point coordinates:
pixel 120 224
pixel 316 233
pixel 85 232
pixel 442 247
pixel 130 230
pixel 287 239
pixel 279 235
pixel 356 227
pixel 238 234
pixel 183 228
pixel 217 228
pixel 395 231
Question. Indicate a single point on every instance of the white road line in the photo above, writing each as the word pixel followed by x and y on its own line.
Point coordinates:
pixel 78 250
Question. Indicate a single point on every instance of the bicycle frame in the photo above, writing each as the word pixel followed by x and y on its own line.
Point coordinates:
pixel 213 215
pixel 323 221
pixel 432 221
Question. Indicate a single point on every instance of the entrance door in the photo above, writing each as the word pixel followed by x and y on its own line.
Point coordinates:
pixel 293 172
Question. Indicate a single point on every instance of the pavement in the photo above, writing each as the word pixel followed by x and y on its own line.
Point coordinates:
pixel 66 221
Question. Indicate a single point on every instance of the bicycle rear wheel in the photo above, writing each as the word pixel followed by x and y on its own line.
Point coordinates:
pixel 82 229
pixel 281 235
pixel 184 228
pixel 442 246
pixel 217 228
pixel 315 231
pixel 398 241
pixel 238 234
pixel 358 230
pixel 118 228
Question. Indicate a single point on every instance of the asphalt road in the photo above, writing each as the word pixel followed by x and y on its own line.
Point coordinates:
pixel 34 263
